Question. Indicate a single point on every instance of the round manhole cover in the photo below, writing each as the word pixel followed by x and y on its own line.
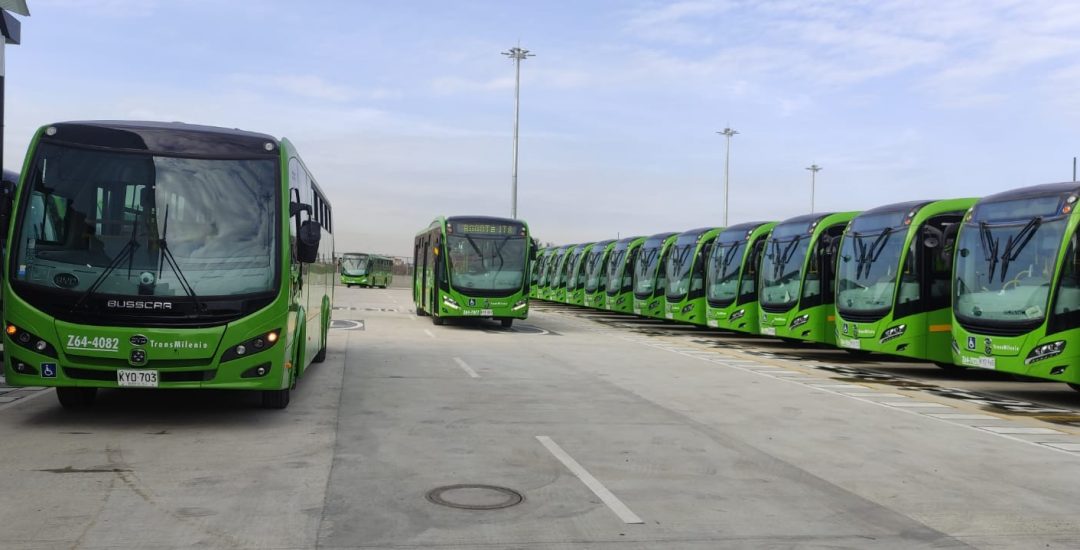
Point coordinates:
pixel 475 497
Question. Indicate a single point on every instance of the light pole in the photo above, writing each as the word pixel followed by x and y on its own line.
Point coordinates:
pixel 814 169
pixel 517 54
pixel 727 133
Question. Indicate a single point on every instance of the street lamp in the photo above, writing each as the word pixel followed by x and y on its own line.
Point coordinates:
pixel 517 53
pixel 814 169
pixel 10 33
pixel 727 133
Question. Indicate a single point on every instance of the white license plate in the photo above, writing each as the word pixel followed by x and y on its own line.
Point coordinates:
pixel 850 343
pixel 137 378
pixel 981 362
pixel 669 315
pixel 486 312
pixel 768 331
pixel 637 311
pixel 713 323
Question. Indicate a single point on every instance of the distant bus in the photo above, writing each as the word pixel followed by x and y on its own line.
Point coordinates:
pixel 567 271
pixel 649 276
pixel 575 280
pixel 366 270
pixel 1016 284
pixel 536 272
pixel 165 255
pixel 893 277
pixel 551 278
pixel 797 274
pixel 596 274
pixel 685 273
pixel 731 277
pixel 472 266
pixel 619 294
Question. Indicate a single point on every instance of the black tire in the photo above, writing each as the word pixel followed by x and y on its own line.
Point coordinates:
pixel 275 399
pixel 74 399
pixel 437 321
pixel 1075 387
pixel 420 312
pixel 507 323
pixel 949 366
pixel 321 356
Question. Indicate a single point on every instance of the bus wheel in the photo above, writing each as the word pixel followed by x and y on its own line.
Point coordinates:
pixel 437 320
pixel 420 312
pixel 275 399
pixel 321 356
pixel 76 398
pixel 507 323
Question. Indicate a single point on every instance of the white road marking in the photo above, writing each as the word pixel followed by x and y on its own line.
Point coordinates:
pixel 962 416
pixel 465 367
pixel 916 405
pixel 1019 431
pixel 21 400
pixel 591 482
pixel 429 333
pixel 1064 446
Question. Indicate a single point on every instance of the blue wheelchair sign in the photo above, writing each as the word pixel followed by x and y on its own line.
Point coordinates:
pixel 48 370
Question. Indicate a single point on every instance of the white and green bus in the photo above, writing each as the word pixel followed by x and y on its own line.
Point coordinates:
pixel 731 278
pixel 472 266
pixel 366 270
pixel 685 274
pixel 165 255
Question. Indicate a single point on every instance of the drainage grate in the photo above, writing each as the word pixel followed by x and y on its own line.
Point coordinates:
pixel 475 497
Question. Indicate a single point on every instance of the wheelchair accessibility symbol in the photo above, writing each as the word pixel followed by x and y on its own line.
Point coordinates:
pixel 48 370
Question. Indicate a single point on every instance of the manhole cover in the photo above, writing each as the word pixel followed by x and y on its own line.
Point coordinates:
pixel 475 497
pixel 346 324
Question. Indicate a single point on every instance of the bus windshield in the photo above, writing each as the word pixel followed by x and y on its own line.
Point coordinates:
pixel 781 267
pixel 147 225
pixel 615 268
pixel 869 263
pixel 354 266
pixel 645 267
pixel 594 269
pixel 680 261
pixel 486 262
pixel 722 275
pixel 1006 257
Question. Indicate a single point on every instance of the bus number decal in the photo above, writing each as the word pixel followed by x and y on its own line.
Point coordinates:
pixel 98 343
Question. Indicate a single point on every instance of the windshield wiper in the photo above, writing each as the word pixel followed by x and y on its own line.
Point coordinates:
pixel 128 251
pixel 869 255
pixel 1018 242
pixel 166 255
pixel 785 257
pixel 989 247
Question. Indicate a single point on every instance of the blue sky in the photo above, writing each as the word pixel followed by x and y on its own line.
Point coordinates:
pixel 404 110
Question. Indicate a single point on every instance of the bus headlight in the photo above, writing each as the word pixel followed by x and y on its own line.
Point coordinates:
pixel 737 315
pixel 520 304
pixel 800 320
pixel 1045 351
pixel 30 341
pixel 893 333
pixel 450 302
pixel 251 346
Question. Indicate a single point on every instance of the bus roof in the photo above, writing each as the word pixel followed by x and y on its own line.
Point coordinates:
pixel 1034 191
pixel 662 236
pixel 896 207
pixel 176 138
pixel 629 240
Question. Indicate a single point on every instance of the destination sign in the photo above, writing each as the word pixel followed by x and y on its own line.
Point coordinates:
pixel 486 228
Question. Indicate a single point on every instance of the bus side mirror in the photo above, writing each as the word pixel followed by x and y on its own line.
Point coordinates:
pixel 295 208
pixel 307 241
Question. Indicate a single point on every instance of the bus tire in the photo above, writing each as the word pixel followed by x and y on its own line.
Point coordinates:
pixel 275 399
pixel 507 323
pixel 321 356
pixel 420 312
pixel 437 320
pixel 74 399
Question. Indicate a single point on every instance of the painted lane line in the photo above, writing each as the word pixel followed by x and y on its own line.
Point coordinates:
pixel 428 332
pixel 962 416
pixel 465 367
pixel 1020 431
pixel 1064 446
pixel 591 482
pixel 916 405
pixel 21 400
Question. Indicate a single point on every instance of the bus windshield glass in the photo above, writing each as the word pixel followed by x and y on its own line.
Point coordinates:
pixel 353 265
pixel 594 268
pixel 146 225
pixel 645 267
pixel 869 262
pixel 781 267
pixel 722 272
pixel 615 268
pixel 485 261
pixel 680 260
pixel 1006 257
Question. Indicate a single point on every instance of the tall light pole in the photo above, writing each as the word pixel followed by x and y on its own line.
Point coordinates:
pixel 814 169
pixel 517 54
pixel 727 133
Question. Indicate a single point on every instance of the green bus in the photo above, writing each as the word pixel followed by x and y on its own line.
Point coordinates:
pixel 472 266
pixel 536 272
pixel 649 279
pixel 567 270
pixel 1016 284
pixel 575 280
pixel 731 277
pixel 685 274
pixel 619 294
pixel 596 274
pixel 551 278
pixel 165 255
pixel 797 272
pixel 893 277
pixel 367 270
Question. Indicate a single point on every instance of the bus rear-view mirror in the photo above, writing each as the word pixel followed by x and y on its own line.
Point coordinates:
pixel 307 241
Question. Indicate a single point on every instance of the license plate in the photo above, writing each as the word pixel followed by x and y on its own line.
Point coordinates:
pixel 713 323
pixel 850 343
pixel 637 311
pixel 981 362
pixel 669 315
pixel 768 331
pixel 137 378
pixel 486 312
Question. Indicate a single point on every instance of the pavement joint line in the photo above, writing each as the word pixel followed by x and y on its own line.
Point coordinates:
pixel 918 404
pixel 966 416
pixel 594 485
pixel 20 400
pixel 905 410
pixel 1020 430
pixel 1071 447
pixel 465 367
pixel 429 333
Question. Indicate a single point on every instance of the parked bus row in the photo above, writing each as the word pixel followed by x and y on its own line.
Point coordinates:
pixel 366 270
pixel 989 283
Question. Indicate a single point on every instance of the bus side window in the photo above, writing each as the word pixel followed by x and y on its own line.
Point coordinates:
pixel 697 281
pixel 1068 295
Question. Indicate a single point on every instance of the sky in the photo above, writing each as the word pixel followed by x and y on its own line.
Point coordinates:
pixel 404 110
